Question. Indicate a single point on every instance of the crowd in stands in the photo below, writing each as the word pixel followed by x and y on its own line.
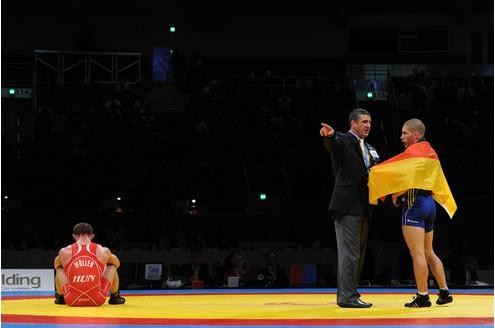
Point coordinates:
pixel 112 149
pixel 95 147
pixel 458 114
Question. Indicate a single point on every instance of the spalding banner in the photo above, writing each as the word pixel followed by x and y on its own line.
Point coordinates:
pixel 28 279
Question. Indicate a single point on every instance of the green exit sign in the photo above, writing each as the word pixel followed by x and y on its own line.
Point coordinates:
pixel 17 93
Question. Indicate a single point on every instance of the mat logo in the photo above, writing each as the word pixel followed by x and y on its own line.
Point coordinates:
pixel 28 279
pixel 16 281
pixel 84 278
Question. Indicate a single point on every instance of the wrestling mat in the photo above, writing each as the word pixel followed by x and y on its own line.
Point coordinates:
pixel 249 308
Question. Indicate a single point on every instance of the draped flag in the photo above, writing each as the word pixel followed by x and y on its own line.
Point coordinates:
pixel 417 167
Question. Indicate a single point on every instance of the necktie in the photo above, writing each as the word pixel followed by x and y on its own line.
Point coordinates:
pixel 364 152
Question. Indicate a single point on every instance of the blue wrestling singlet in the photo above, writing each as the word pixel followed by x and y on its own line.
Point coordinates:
pixel 419 209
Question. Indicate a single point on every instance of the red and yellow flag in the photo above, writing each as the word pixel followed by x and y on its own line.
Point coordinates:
pixel 417 167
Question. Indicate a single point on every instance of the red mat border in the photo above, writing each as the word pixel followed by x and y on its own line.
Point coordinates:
pixel 34 319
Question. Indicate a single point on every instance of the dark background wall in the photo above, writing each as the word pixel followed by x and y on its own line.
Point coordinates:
pixel 234 29
pixel 311 50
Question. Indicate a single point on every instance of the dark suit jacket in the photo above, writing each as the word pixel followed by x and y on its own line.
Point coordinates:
pixel 350 192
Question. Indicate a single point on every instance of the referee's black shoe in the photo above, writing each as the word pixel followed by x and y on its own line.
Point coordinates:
pixel 357 304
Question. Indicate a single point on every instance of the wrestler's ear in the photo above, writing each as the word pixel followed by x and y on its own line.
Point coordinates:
pixel 91 237
pixel 74 236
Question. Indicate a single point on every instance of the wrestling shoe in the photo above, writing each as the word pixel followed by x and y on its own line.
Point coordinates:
pixel 116 299
pixel 419 301
pixel 59 299
pixel 444 297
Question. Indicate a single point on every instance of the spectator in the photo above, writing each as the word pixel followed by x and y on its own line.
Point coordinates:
pixel 196 270
pixel 235 266
pixel 58 121
pixel 465 272
pixel 43 124
pixel 272 276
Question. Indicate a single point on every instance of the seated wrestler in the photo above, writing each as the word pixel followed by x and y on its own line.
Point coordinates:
pixel 86 271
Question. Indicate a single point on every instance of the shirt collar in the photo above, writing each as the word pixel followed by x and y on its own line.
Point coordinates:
pixel 359 139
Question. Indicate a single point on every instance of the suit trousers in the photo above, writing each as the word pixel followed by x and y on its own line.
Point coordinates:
pixel 352 236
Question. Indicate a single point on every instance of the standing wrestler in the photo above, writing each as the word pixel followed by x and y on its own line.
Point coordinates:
pixel 351 160
pixel 86 271
pixel 415 178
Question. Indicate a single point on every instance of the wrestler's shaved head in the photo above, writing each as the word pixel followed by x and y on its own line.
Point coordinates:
pixel 415 125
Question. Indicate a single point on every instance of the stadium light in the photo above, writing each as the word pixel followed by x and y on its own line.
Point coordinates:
pixel 262 196
pixel 11 91
pixel 171 29
pixel 369 94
